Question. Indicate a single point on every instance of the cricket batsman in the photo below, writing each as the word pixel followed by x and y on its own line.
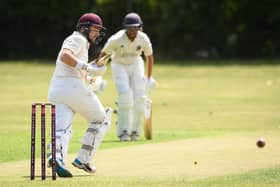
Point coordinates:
pixel 126 48
pixel 70 93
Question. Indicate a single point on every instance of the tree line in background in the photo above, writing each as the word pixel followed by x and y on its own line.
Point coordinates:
pixel 177 28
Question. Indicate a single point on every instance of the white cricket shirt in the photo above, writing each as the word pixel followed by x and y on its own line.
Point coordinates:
pixel 79 45
pixel 125 51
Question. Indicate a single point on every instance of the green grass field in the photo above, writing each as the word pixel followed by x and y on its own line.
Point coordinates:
pixel 209 113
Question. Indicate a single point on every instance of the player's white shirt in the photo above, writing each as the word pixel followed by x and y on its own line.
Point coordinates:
pixel 79 45
pixel 125 51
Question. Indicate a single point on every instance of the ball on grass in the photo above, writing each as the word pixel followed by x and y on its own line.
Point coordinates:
pixel 260 143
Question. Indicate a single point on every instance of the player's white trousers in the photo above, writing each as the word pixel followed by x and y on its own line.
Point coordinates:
pixel 130 84
pixel 71 95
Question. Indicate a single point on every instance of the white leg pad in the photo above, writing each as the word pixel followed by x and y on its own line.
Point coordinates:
pixel 93 137
pixel 88 142
pixel 63 138
pixel 64 117
pixel 102 131
pixel 125 103
pixel 138 114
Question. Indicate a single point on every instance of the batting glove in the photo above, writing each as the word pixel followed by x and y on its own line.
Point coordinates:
pixel 150 83
pixel 94 70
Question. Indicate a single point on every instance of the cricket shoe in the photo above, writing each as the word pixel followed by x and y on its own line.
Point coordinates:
pixel 134 136
pixel 124 137
pixel 60 168
pixel 85 166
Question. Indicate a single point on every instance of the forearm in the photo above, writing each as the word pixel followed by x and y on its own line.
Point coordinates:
pixel 68 58
pixel 150 62
pixel 101 55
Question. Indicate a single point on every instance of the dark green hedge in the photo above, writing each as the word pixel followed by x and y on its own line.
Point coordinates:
pixel 177 28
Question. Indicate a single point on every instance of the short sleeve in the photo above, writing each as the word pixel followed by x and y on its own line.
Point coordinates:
pixel 74 43
pixel 147 48
pixel 109 46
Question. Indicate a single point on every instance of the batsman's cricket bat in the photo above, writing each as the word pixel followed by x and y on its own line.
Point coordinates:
pixel 101 61
pixel 148 119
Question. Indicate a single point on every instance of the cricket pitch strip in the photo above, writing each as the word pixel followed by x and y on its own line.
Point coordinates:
pixel 191 159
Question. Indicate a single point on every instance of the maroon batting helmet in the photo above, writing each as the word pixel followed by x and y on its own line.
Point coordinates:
pixel 132 20
pixel 90 19
pixel 87 20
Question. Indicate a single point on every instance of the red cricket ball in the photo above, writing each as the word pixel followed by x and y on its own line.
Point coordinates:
pixel 260 143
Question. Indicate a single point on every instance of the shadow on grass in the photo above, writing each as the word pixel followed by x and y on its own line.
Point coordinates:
pixel 38 177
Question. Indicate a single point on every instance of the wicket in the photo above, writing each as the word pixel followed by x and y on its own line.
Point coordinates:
pixel 43 140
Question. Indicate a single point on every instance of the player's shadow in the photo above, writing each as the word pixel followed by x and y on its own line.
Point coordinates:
pixel 38 177
pixel 110 141
pixel 118 141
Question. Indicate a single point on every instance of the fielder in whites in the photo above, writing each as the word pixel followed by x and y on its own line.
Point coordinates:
pixel 70 93
pixel 126 48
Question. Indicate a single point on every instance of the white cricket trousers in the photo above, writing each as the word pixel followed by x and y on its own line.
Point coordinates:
pixel 71 95
pixel 130 84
